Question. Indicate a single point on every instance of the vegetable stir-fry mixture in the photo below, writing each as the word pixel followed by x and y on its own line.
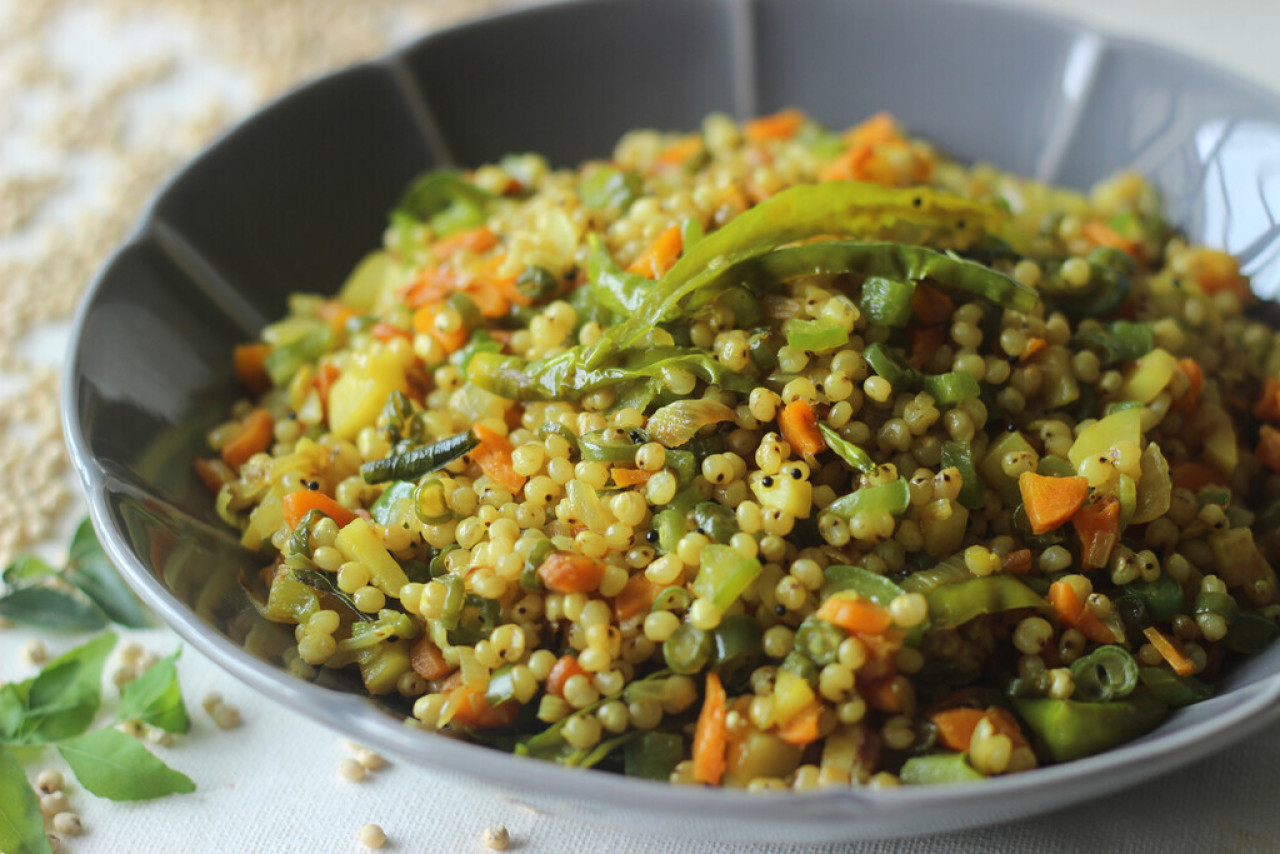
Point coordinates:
pixel 767 457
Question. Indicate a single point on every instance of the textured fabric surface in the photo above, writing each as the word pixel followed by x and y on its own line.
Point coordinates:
pixel 273 785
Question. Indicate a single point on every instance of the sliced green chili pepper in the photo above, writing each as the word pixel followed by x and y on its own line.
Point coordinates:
pixel 889 364
pixel 501 686
pixel 480 342
pixel 537 283
pixel 285 360
pixel 395 414
pixel 715 520
pixel 1120 343
pixel 437 565
pixel 1108 673
pixel 846 450
pixel 801 665
pixel 600 447
pixel 476 620
pixel 684 465
pixel 763 351
pixel 1133 613
pixel 952 605
pixel 1110 272
pixel 381 509
pixel 938 768
pixel 1163 596
pixel 893 497
pixel 815 336
pixel 688 649
pixel 1249 633
pixel 959 455
pixel 886 300
pixel 673 598
pixel 670 525
pixel 819 641
pixel 454 599
pixel 654 755
pixel 300 539
pixel 430 504
pixel 413 464
pixel 736 649
pixel 1169 687
pixel 1070 729
pixel 555 428
pixel 446 201
pixel 951 388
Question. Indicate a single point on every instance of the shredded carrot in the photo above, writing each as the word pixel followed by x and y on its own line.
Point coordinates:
pixel 476 240
pixel 956 726
pixel 251 366
pixel 385 332
pixel 635 598
pixel 432 285
pixel 1017 562
pixel 679 152
pixel 562 671
pixel 427 660
pixel 1051 501
pixel 254 437
pixel 799 425
pixel 1034 345
pixel 711 737
pixel 213 473
pixel 1073 614
pixel 569 572
pixel 493 455
pixel 1268 406
pixel 1194 476
pixel 471 708
pixel 931 306
pixel 1100 233
pixel 781 125
pixel 660 255
pixel 803 728
pixel 1170 651
pixel 297 504
pixel 1269 447
pixel 631 477
pixel 424 320
pixel 1098 525
pixel 855 615
pixel 1190 369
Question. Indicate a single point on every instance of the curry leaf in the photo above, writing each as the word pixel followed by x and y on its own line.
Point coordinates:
pixel 115 766
pixel 63 699
pixel 155 698
pixel 89 569
pixel 26 569
pixel 51 609
pixel 21 828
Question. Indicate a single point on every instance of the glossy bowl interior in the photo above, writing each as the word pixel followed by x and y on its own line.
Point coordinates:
pixel 290 199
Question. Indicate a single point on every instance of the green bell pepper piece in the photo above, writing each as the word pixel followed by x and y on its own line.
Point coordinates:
pixel 938 768
pixel 887 301
pixel 1070 729
pixel 954 604
pixel 893 497
pixel 654 755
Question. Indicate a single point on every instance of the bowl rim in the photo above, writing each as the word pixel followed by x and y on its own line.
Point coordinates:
pixel 1254 706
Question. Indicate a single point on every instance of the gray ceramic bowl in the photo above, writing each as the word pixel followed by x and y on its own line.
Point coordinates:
pixel 291 199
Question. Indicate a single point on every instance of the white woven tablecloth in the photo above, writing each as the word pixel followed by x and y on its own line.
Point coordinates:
pixel 272 785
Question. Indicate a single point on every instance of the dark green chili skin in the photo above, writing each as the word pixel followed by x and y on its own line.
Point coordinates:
pixel 819 641
pixel 959 455
pixel 537 283
pixel 1173 689
pixel 413 464
pixel 599 447
pixel 715 520
pixel 654 755
pixel 1069 729
pixel 1110 278
pixel 688 649
pixel 1163 597
pixel 955 604
pixel 1249 633
pixel 1108 673
pixel 737 649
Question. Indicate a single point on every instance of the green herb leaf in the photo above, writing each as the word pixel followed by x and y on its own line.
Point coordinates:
pixel 63 699
pixel 155 698
pixel 89 569
pixel 51 609
pixel 21 828
pixel 13 708
pixel 114 766
pixel 26 569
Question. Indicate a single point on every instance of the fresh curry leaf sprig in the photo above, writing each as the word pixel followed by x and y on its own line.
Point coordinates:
pixel 84 595
pixel 57 708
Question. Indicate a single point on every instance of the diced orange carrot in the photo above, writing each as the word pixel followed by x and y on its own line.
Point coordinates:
pixel 781 125
pixel 487 296
pixel 427 660
pixel 432 286
pixel 1073 614
pixel 1195 476
pixel 799 426
pixel 631 477
pixel 1017 562
pixel 566 666
pixel 213 473
pixel 476 240
pixel 297 504
pixel 1098 525
pixel 1269 447
pixel 635 598
pixel 493 455
pixel 424 320
pixel 336 314
pixel 875 130
pixel 956 726
pixel 251 367
pixel 711 737
pixel 385 332
pixel 660 255
pixel 1051 501
pixel 472 709
pixel 679 152
pixel 254 437
pixel 325 377
pixel 1034 345
pixel 1268 406
pixel 803 727
pixel 931 306
pixel 569 572
pixel 1099 233
pixel 855 615
pixel 1190 369
pixel 1170 652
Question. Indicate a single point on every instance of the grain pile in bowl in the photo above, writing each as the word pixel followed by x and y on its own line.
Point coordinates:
pixel 768 456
